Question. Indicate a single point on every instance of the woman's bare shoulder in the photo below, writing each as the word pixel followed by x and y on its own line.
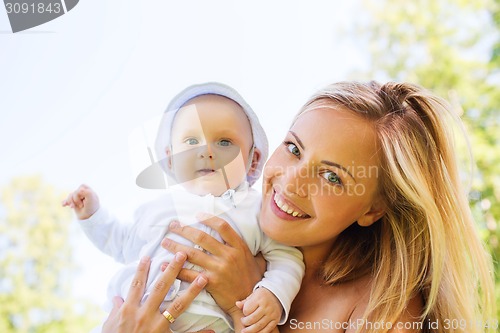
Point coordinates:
pixel 326 308
pixel 408 322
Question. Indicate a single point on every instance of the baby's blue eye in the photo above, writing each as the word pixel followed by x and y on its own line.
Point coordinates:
pixel 332 177
pixel 192 141
pixel 292 148
pixel 225 143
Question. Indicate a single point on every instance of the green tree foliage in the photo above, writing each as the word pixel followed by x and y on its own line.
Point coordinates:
pixel 495 59
pixel 453 48
pixel 36 267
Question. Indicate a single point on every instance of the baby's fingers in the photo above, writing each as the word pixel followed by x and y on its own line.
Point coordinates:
pixel 240 304
pixel 250 305
pixel 68 202
pixel 65 203
pixel 78 197
pixel 252 318
pixel 262 326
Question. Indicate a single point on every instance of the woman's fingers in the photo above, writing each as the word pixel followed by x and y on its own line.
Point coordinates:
pixel 234 256
pixel 187 275
pixel 117 303
pixel 139 282
pixel 180 303
pixel 110 325
pixel 165 281
pixel 131 316
pixel 227 233
pixel 198 237
pixel 194 255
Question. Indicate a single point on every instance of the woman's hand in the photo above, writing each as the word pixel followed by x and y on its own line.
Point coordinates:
pixel 231 268
pixel 133 317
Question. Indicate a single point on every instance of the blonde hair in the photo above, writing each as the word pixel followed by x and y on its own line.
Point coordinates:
pixel 426 244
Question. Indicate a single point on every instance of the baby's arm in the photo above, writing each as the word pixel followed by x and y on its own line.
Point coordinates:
pixel 84 201
pixel 262 311
pixel 106 232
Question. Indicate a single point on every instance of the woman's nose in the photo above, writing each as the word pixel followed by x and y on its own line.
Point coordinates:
pixel 295 180
pixel 298 184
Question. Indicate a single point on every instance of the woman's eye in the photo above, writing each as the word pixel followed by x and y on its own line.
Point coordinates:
pixel 292 148
pixel 192 141
pixel 225 143
pixel 332 177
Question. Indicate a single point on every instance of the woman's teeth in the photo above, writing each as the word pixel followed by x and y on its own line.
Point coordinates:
pixel 284 207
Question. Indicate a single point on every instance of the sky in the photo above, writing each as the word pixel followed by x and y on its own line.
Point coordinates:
pixel 77 93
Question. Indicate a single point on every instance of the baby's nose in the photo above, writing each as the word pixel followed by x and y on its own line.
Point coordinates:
pixel 206 152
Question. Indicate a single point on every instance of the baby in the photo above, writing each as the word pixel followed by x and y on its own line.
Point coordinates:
pixel 212 148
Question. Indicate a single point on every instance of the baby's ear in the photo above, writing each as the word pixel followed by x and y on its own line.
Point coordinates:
pixel 255 161
pixel 168 152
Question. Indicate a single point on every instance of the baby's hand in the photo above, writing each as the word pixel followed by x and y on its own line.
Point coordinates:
pixel 262 311
pixel 84 202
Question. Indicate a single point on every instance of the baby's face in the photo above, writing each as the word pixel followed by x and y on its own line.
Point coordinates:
pixel 211 142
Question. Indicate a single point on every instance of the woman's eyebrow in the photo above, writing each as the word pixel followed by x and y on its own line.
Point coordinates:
pixel 323 161
pixel 338 166
pixel 298 140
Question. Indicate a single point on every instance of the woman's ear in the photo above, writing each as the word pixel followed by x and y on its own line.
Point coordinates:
pixel 376 211
pixel 255 161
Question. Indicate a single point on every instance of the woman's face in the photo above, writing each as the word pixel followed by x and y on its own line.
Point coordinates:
pixel 321 179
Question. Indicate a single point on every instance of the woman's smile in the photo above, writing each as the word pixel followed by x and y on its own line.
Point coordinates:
pixel 284 209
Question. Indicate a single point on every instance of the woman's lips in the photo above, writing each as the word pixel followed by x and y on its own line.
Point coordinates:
pixel 284 210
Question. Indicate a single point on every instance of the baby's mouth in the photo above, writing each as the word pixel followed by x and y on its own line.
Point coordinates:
pixel 205 171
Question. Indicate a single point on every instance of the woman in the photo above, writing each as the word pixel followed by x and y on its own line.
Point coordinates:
pixel 366 185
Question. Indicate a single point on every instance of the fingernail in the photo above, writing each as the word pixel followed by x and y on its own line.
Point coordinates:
pixel 163 267
pixel 180 257
pixel 174 224
pixel 165 242
pixel 145 259
pixel 201 280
